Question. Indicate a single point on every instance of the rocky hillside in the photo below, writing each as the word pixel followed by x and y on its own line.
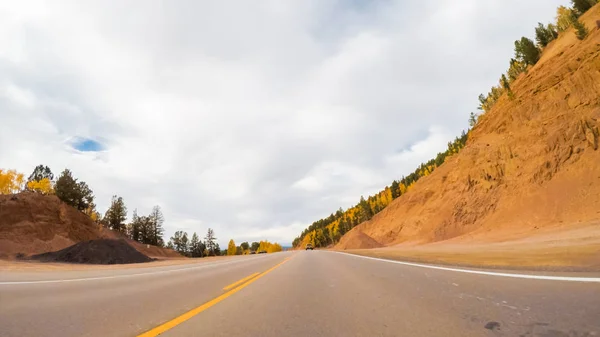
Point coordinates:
pixel 31 223
pixel 532 161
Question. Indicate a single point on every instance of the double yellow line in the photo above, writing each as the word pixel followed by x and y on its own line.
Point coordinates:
pixel 235 287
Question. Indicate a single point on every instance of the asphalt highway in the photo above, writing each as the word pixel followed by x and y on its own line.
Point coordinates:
pixel 312 293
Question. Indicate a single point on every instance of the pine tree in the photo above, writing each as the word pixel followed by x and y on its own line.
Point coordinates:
pixel 526 51
pixel 582 6
pixel 472 119
pixel 116 214
pixel 580 29
pixel 196 246
pixel 545 34
pixel 515 69
pixel 157 229
pixel 185 248
pixel 395 189
pixel 76 194
pixel 39 173
pixel 209 241
pixel 135 226
pixel 366 212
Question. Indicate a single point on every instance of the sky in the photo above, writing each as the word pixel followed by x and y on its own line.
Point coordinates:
pixel 254 118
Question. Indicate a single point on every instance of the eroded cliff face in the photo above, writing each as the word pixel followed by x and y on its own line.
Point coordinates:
pixel 531 162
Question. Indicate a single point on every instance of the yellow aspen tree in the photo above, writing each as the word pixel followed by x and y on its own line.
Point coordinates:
pixel 231 248
pixel 11 181
pixel 43 186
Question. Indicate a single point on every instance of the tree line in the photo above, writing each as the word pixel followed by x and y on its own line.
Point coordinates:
pixel 147 229
pixel 329 230
pixel 528 52
pixel 194 247
pixel 244 248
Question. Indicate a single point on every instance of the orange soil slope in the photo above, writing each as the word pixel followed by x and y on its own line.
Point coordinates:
pixel 532 162
pixel 31 224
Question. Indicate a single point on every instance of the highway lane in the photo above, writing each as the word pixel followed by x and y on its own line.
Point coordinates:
pixel 120 302
pixel 312 293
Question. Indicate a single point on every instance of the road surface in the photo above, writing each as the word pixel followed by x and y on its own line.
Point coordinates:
pixel 312 293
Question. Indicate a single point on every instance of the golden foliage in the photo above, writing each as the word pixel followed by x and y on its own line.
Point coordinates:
pixel 564 18
pixel 11 181
pixel 43 186
pixel 231 248
pixel 269 247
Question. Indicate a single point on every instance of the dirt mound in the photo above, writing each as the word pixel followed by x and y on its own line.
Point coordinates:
pixel 31 223
pixel 355 239
pixel 101 251
pixel 532 162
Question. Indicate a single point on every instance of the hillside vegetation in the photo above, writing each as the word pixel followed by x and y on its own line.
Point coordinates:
pixel 530 160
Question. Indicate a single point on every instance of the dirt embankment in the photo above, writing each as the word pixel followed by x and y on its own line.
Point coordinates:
pixel 357 240
pixel 32 223
pixel 531 163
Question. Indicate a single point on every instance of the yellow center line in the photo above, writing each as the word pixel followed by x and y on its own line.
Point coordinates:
pixel 178 320
pixel 236 283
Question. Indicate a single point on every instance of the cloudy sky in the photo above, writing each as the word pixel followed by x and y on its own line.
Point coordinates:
pixel 254 118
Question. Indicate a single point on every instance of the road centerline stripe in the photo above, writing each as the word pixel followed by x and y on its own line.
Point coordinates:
pixel 186 316
pixel 236 283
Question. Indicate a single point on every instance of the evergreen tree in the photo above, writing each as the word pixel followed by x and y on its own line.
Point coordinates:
pixel 395 189
pixel 245 246
pixel 515 69
pixel 157 230
pixel 185 247
pixel 196 246
pixel 175 241
pixel 526 51
pixel 116 214
pixel 76 194
pixel 582 6
pixel 41 172
pixel 254 246
pixel 135 227
pixel 209 241
pixel 580 31
pixel 472 119
pixel 366 212
pixel 543 35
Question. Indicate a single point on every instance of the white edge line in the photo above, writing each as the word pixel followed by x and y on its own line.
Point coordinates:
pixel 204 265
pixel 481 272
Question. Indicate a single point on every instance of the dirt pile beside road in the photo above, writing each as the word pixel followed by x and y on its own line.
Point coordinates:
pixel 101 251
pixel 357 240
pixel 532 162
pixel 31 223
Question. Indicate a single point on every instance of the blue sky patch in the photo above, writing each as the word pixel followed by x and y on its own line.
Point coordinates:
pixel 87 145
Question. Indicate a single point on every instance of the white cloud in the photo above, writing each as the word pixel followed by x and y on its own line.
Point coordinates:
pixel 254 119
